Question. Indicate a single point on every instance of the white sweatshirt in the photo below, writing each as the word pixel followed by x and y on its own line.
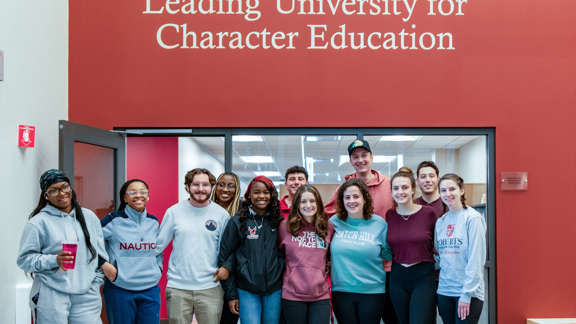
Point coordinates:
pixel 196 233
pixel 461 243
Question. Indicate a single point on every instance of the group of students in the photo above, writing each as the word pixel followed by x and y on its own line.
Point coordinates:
pixel 371 253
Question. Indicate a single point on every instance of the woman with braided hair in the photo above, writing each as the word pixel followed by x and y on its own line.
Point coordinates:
pixel 66 288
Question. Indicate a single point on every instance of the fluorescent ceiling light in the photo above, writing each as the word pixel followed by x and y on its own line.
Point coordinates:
pixel 399 138
pixel 383 158
pixel 377 159
pixel 257 159
pixel 311 138
pixel 247 138
pixel 268 174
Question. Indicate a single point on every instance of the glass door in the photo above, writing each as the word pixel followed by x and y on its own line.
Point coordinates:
pixel 94 159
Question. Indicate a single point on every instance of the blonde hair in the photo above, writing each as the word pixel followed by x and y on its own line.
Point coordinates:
pixel 234 205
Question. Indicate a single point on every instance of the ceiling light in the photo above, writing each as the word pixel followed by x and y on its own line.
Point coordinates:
pixel 311 138
pixel 257 159
pixel 376 159
pixel 399 138
pixel 383 158
pixel 268 174
pixel 247 138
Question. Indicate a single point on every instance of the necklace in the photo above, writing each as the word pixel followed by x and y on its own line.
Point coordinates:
pixel 405 217
pixel 256 223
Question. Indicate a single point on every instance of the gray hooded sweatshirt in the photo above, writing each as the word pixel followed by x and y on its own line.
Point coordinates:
pixel 42 241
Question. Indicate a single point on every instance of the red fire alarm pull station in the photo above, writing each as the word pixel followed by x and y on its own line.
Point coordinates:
pixel 26 135
pixel 515 181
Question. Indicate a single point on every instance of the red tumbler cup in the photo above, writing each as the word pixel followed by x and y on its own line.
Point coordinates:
pixel 71 247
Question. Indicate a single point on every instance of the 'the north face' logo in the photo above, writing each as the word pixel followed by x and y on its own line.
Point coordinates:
pixel 450 230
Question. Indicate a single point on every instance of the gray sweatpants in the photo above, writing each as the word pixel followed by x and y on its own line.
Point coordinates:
pixel 53 307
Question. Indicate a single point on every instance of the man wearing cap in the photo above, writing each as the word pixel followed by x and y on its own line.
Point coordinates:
pixel 379 187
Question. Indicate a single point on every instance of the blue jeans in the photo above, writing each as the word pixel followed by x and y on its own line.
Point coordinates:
pixel 132 307
pixel 259 309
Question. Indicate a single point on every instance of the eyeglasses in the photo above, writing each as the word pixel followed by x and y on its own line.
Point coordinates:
pixel 52 192
pixel 137 192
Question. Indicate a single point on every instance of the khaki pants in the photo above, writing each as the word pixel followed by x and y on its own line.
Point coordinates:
pixel 184 304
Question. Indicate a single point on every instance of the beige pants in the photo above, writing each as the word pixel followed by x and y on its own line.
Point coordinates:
pixel 184 304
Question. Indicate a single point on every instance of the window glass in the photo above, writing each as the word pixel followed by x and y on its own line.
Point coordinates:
pixel 94 177
pixel 199 152
pixel 324 157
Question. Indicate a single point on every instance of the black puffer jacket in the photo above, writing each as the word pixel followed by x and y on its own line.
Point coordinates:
pixel 252 256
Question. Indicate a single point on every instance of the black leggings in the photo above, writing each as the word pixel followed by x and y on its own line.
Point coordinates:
pixel 353 308
pixel 298 312
pixel 412 290
pixel 448 309
pixel 388 313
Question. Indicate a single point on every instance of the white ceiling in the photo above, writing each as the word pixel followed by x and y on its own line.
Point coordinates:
pixel 326 151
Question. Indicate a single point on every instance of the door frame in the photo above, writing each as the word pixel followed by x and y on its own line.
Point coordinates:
pixel 70 133
pixel 360 132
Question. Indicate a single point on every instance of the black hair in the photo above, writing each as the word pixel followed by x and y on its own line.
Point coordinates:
pixel 124 188
pixel 296 169
pixel 42 202
pixel 427 164
pixel 272 210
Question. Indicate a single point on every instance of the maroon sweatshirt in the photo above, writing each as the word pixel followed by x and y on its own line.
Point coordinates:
pixel 305 277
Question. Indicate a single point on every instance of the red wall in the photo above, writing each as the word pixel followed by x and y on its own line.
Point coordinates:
pixel 514 68
pixel 155 160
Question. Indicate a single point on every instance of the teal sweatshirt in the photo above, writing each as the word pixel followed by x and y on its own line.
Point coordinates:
pixel 357 249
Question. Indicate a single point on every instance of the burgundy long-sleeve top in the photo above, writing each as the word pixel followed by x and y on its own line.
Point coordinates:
pixel 411 237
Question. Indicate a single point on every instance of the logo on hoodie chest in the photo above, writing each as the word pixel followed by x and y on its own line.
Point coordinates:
pixel 252 229
pixel 137 246
pixel 309 240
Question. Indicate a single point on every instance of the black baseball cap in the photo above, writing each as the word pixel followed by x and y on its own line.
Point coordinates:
pixel 358 144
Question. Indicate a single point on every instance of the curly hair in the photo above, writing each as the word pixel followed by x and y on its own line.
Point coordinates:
pixel 272 210
pixel 189 177
pixel 368 209
pixel 294 223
